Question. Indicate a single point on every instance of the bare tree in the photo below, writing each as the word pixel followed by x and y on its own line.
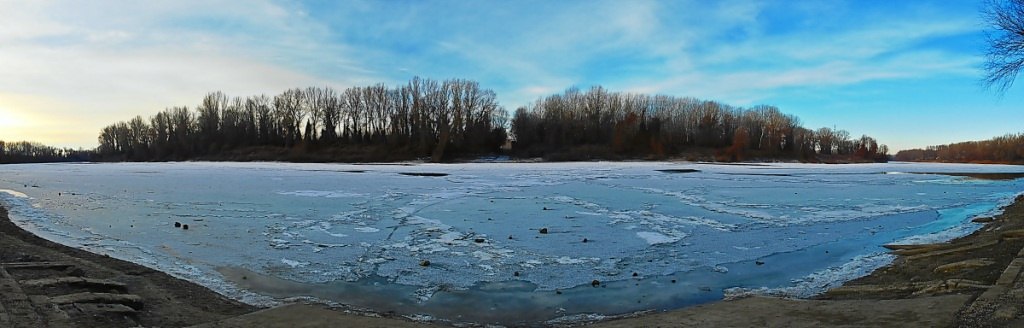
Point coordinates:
pixel 1004 56
pixel 353 105
pixel 261 107
pixel 288 110
pixel 313 105
pixel 330 114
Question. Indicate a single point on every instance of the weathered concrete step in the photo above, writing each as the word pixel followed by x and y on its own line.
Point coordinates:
pixel 897 247
pixel 858 289
pixel 1006 280
pixel 96 308
pixel 15 304
pixel 36 265
pixel 1010 274
pixel 951 251
pixel 74 281
pixel 918 288
pixel 962 265
pixel 990 295
pixel 53 315
pixel 133 301
pixel 5 319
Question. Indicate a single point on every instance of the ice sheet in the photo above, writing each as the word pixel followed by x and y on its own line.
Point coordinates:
pixel 543 226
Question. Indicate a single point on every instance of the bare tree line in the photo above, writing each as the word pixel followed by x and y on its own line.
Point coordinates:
pixel 1008 148
pixel 600 124
pixel 439 119
pixel 34 152
pixel 421 118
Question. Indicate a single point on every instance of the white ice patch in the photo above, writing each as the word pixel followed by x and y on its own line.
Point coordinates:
pixel 820 281
pixel 891 209
pixel 689 199
pixel 366 229
pixel 278 243
pixel 580 203
pixel 425 221
pixel 452 237
pixel 320 193
pixel 666 220
pixel 428 248
pixel 14 193
pixel 569 260
pixel 619 217
pixel 294 264
pixel 654 238
pixel 937 237
pixel 484 256
pixel 424 294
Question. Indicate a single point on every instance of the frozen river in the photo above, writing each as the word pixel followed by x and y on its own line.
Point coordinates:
pixel 505 242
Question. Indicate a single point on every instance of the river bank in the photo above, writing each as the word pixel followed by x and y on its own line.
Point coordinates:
pixel 45 284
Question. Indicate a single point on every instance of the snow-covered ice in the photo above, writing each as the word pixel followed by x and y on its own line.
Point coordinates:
pixel 511 231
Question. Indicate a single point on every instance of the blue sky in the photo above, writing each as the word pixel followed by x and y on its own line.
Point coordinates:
pixel 904 72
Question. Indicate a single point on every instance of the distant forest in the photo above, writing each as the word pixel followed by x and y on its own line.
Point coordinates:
pixel 34 152
pixel 597 123
pixel 457 119
pixel 424 118
pixel 1007 149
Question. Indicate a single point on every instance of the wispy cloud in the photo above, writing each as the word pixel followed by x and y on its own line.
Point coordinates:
pixel 78 66
pixel 99 62
pixel 758 63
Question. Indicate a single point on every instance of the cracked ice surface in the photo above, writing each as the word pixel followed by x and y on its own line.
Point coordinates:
pixel 329 222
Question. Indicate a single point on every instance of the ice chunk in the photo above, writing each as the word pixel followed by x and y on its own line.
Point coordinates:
pixel 294 264
pixel 569 260
pixel 320 193
pixel 654 238
pixel 14 193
